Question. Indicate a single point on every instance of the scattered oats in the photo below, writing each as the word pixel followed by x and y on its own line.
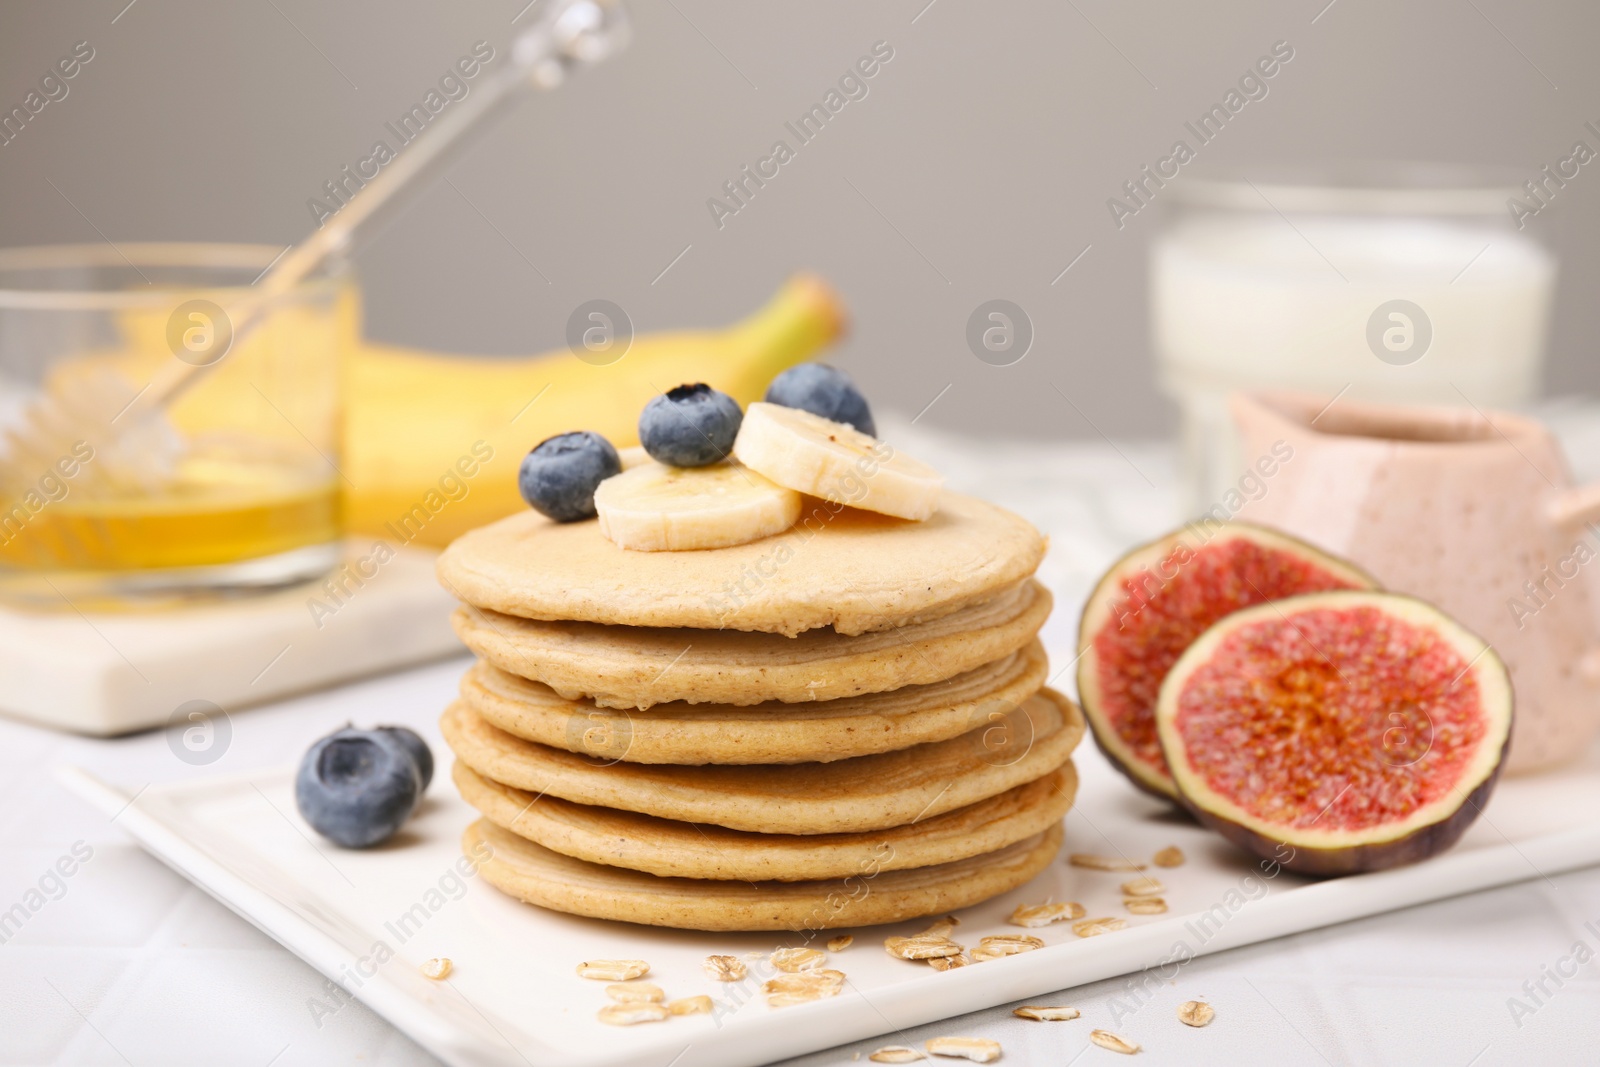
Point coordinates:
pixel 948 963
pixel 438 968
pixel 942 927
pixel 1106 1039
pixel 700 1005
pixel 755 955
pixel 1196 1013
pixel 976 1049
pixel 631 1013
pixel 1171 856
pixel 613 970
pixel 1143 886
pixel 896 1054
pixel 1045 914
pixel 920 947
pixel 635 993
pixel 795 960
pixel 839 944
pixel 723 968
pixel 1095 927
pixel 1045 1013
pixel 992 948
pixel 1102 863
pixel 1146 906
pixel 787 989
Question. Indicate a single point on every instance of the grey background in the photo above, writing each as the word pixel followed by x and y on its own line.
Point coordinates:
pixel 977 167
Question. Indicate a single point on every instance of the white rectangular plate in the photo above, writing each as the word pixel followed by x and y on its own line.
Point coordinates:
pixel 514 997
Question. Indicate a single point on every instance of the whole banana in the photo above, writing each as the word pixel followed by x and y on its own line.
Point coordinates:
pixel 432 443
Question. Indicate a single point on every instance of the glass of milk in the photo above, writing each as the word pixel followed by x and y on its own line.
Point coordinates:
pixel 1413 287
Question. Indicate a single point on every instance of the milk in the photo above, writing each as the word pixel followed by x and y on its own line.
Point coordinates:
pixel 1249 300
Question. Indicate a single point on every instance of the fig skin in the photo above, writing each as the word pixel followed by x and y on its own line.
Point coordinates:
pixel 1161 547
pixel 1420 844
pixel 1174 800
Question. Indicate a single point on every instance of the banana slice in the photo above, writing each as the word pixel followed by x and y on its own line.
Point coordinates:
pixel 653 508
pixel 810 454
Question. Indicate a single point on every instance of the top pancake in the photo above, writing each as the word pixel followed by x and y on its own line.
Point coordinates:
pixel 853 570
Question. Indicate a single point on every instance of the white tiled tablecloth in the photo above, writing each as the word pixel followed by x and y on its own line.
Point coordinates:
pixel 124 962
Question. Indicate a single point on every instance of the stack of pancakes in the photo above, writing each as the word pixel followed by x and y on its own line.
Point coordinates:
pixel 840 725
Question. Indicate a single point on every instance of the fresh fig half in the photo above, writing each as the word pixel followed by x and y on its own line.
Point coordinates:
pixel 1154 602
pixel 1337 732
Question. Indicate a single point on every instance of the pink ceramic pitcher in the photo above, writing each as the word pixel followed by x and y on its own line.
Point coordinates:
pixel 1473 511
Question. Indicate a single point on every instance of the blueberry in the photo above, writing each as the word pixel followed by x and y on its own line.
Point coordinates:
pixel 823 390
pixel 356 787
pixel 690 426
pixel 416 746
pixel 559 477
